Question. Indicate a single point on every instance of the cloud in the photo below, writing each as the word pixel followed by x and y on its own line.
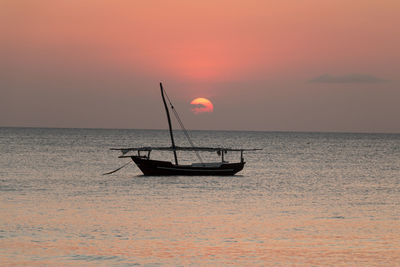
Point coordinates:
pixel 198 106
pixel 349 78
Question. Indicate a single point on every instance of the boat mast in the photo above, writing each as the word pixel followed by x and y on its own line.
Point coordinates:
pixel 169 124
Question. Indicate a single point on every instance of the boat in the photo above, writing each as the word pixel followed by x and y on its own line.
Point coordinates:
pixel 152 167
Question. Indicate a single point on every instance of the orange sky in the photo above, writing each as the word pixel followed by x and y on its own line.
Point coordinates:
pixel 61 59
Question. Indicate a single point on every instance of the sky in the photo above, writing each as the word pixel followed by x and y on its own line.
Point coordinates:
pixel 278 65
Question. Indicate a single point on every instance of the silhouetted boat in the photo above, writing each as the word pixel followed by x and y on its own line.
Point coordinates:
pixel 157 167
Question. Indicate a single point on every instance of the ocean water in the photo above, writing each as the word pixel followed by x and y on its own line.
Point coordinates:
pixel 309 199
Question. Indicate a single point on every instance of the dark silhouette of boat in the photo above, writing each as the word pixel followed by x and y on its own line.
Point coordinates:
pixel 158 167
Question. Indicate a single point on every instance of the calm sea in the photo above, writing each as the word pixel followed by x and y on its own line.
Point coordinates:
pixel 305 199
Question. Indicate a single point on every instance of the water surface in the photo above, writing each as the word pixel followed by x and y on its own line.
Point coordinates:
pixel 305 199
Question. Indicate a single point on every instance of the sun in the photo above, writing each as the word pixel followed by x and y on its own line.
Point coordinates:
pixel 202 105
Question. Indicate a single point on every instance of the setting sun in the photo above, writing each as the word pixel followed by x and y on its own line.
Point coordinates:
pixel 201 105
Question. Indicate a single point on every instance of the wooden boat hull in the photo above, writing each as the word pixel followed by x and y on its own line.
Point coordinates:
pixel 156 168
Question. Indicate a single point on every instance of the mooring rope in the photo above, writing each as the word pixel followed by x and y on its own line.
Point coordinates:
pixel 107 173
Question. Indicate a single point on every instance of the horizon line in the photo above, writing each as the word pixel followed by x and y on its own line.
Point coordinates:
pixel 202 130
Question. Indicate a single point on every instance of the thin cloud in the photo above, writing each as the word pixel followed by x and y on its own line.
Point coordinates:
pixel 349 78
pixel 198 106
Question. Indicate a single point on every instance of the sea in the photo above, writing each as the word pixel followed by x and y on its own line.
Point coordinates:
pixel 305 199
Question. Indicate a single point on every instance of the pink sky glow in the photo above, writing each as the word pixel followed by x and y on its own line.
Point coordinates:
pixel 265 65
